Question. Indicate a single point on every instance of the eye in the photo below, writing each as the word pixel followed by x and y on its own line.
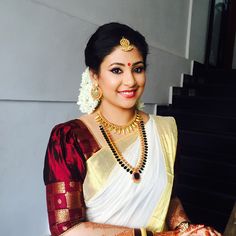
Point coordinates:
pixel 139 69
pixel 116 70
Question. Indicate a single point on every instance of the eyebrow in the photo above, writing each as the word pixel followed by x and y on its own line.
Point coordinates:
pixel 121 64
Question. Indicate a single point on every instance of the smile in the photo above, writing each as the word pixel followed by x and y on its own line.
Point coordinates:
pixel 127 93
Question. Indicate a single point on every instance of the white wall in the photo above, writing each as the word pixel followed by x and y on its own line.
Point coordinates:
pixel 41 60
pixel 197 30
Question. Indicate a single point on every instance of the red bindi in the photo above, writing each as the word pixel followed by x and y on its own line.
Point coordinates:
pixel 129 64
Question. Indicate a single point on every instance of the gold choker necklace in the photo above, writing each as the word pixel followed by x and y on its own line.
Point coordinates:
pixel 138 169
pixel 119 129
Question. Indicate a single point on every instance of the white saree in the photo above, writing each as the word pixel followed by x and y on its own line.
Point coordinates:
pixel 111 196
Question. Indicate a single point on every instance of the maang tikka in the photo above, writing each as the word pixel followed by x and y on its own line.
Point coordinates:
pixel 125 45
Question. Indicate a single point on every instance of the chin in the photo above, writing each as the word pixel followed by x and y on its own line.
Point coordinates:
pixel 128 106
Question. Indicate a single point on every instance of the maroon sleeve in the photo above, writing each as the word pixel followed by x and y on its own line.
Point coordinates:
pixel 64 172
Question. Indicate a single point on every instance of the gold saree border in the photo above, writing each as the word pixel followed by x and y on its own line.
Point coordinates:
pixel 101 164
pixel 167 130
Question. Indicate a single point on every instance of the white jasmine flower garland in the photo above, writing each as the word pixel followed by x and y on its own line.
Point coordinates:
pixel 85 101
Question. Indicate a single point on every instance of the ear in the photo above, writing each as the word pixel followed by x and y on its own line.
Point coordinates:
pixel 93 76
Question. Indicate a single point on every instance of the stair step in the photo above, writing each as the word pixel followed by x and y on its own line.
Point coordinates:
pixel 189 80
pixel 220 170
pixel 206 105
pixel 219 74
pixel 206 199
pixel 169 110
pixel 200 122
pixel 207 217
pixel 200 70
pixel 208 155
pixel 210 183
pixel 165 110
pixel 215 143
pixel 206 91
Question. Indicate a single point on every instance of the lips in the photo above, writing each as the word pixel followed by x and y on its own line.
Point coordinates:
pixel 127 93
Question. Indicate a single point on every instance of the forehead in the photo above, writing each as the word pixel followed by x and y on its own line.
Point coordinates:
pixel 118 55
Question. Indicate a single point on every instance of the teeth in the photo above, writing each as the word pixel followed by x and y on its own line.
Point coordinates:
pixel 131 92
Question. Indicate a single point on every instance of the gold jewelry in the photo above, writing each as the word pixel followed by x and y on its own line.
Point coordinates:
pixel 143 232
pixel 96 92
pixel 125 45
pixel 119 129
pixel 183 226
pixel 134 171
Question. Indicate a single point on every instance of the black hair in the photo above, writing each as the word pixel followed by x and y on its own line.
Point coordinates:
pixel 106 38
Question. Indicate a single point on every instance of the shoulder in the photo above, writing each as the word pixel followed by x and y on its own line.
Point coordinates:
pixel 168 121
pixel 64 158
pixel 161 120
pixel 165 124
pixel 69 132
pixel 68 129
pixel 74 134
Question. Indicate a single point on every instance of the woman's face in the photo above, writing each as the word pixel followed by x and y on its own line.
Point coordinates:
pixel 121 78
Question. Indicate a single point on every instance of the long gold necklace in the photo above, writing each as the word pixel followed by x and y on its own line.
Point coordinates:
pixel 119 129
pixel 138 169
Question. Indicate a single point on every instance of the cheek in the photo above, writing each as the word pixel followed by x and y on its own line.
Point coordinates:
pixel 142 81
pixel 114 82
pixel 109 83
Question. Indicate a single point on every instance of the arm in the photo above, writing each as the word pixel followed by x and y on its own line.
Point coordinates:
pixel 64 171
pixel 176 213
pixel 94 229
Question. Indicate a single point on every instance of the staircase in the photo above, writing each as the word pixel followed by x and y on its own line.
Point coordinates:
pixel 205 113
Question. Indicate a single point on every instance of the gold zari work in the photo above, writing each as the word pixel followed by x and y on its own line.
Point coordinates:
pixel 62 215
pixel 58 188
pixel 73 200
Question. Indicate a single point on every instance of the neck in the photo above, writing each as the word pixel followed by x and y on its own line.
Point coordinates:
pixel 116 115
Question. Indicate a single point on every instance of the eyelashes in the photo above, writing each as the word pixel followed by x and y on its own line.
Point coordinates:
pixel 138 70
pixel 116 70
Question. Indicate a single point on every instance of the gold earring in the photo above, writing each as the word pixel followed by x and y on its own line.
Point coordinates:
pixel 96 92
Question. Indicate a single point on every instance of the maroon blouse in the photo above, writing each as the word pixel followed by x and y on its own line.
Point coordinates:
pixel 69 146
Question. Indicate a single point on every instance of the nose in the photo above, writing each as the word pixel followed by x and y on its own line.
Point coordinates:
pixel 129 79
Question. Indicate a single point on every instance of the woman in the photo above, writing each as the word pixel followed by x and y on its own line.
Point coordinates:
pixel 110 172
